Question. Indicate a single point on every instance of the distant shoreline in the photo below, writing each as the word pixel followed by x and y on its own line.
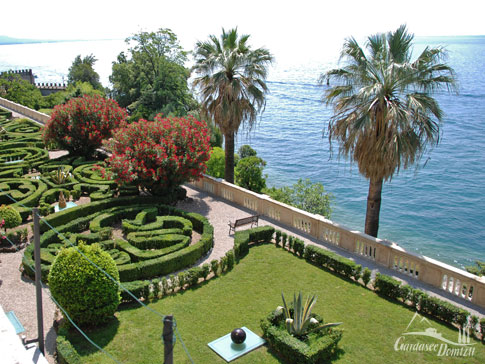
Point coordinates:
pixel 4 40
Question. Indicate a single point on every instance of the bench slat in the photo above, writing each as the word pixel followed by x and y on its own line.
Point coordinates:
pixel 244 221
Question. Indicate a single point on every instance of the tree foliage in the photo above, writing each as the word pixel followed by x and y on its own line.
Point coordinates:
pixel 73 90
pixel 14 88
pixel 85 292
pixel 216 163
pixel 81 124
pixel 82 70
pixel 151 78
pixel 305 195
pixel 384 115
pixel 249 173
pixel 159 155
pixel 246 151
pixel 231 79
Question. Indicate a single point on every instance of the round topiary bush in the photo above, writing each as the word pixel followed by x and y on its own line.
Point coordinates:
pixel 87 294
pixel 11 216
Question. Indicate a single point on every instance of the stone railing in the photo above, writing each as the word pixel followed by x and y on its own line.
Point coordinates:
pixel 33 114
pixel 388 254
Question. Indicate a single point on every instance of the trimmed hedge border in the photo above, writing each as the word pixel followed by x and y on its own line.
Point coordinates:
pixel 78 218
pixel 421 301
pixel 294 350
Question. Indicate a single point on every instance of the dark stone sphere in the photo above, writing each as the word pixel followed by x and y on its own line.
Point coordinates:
pixel 238 336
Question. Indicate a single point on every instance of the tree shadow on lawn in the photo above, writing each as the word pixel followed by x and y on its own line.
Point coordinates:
pixel 102 335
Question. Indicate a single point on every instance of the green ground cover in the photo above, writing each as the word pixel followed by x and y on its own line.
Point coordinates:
pixel 243 296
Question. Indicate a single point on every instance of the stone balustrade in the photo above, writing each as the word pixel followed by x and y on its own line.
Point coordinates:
pixel 33 114
pixel 388 254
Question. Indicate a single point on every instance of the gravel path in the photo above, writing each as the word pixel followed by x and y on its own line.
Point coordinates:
pixel 17 293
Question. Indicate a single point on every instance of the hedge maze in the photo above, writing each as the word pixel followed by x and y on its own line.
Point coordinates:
pixel 30 177
pixel 145 238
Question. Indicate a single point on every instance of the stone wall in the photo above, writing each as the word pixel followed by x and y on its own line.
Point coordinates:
pixel 388 254
pixel 33 114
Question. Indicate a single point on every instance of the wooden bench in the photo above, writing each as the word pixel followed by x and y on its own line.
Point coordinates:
pixel 244 221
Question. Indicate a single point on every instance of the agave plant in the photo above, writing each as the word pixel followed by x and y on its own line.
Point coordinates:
pixel 301 323
pixel 60 176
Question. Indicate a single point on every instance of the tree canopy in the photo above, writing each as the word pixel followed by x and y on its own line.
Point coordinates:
pixel 151 78
pixel 384 115
pixel 14 88
pixel 231 79
pixel 82 70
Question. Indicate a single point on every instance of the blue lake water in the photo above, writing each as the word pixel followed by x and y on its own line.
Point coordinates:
pixel 437 210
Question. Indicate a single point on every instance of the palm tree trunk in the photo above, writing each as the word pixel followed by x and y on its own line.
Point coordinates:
pixel 373 207
pixel 229 151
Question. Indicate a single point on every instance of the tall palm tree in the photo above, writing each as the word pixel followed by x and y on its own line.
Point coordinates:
pixel 384 115
pixel 231 79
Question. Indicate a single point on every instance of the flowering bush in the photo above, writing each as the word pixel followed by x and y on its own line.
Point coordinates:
pixel 159 155
pixel 2 223
pixel 81 124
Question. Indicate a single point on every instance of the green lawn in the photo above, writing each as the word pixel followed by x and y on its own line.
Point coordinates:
pixel 243 296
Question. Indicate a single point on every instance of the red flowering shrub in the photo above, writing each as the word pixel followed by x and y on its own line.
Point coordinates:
pixel 159 155
pixel 81 124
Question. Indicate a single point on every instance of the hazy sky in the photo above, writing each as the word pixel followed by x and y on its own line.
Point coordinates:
pixel 282 26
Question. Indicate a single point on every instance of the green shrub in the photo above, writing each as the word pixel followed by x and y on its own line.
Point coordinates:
pixel 216 163
pixel 433 306
pixel 405 292
pixel 139 289
pixel 318 350
pixel 165 286
pixel 291 242
pixel 249 173
pixel 10 215
pixel 156 287
pixel 206 269
pixel 192 276
pixel 173 282
pixel 416 297
pixel 324 258
pixel 181 280
pixel 444 310
pixel 261 234
pixel 284 238
pixel 366 276
pixel 66 353
pixel 387 286
pixel 223 263
pixel 215 266
pixel 299 247
pixel 474 322
pixel 230 259
pixel 277 238
pixel 86 293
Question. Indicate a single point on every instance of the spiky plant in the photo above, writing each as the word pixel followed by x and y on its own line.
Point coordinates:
pixel 302 323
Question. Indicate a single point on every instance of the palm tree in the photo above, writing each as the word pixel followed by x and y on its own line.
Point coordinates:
pixel 384 115
pixel 231 79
